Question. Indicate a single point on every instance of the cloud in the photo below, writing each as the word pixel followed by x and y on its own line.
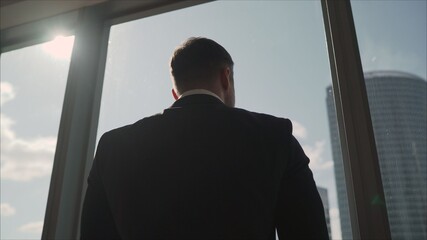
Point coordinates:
pixel 23 159
pixel 299 131
pixel 6 128
pixel 315 154
pixel 32 227
pixel 7 210
pixel 7 92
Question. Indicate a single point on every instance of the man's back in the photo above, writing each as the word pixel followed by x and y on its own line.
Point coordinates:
pixel 202 170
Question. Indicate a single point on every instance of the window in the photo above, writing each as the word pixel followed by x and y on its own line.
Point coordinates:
pixel 392 42
pixel 281 68
pixel 32 90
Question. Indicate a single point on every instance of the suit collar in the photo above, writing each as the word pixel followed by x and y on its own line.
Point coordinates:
pixel 196 99
pixel 200 91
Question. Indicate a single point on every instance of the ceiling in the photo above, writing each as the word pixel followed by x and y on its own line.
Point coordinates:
pixel 17 12
pixel 28 22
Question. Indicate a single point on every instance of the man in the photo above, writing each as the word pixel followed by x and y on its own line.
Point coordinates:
pixel 202 169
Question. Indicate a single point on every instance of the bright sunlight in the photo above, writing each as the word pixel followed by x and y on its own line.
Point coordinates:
pixel 60 47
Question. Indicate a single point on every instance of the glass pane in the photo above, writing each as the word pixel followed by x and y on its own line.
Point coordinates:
pixel 33 83
pixel 281 68
pixel 392 42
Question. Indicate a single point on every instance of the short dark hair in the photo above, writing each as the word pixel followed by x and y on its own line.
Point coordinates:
pixel 198 59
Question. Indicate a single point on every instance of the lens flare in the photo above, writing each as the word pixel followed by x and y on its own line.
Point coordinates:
pixel 60 47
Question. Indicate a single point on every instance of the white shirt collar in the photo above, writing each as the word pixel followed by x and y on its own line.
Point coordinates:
pixel 199 91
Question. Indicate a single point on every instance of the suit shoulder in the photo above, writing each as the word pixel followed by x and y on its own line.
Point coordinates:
pixel 266 119
pixel 127 130
pixel 114 133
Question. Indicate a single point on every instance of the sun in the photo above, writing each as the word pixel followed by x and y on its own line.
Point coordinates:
pixel 60 47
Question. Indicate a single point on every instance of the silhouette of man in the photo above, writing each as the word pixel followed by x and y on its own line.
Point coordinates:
pixel 202 169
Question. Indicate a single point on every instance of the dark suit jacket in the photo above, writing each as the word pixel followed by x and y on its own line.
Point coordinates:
pixel 202 170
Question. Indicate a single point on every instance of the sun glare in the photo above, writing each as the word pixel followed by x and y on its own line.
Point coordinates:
pixel 60 47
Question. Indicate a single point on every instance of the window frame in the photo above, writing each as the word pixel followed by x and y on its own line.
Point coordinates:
pixel 360 158
pixel 79 118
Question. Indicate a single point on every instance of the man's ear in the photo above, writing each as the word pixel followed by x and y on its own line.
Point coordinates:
pixel 174 94
pixel 225 76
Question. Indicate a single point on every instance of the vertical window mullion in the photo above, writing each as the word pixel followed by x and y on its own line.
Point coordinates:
pixel 77 133
pixel 368 218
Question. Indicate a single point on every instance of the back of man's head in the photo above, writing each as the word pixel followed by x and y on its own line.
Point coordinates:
pixel 197 62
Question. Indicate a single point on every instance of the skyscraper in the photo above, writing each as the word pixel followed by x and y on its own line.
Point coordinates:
pixel 397 104
pixel 338 167
pixel 323 192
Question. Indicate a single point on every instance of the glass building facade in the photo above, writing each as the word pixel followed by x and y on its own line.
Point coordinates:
pixel 397 103
pixel 323 192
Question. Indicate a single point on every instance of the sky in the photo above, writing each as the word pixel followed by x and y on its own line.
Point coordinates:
pixel 32 90
pixel 281 68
